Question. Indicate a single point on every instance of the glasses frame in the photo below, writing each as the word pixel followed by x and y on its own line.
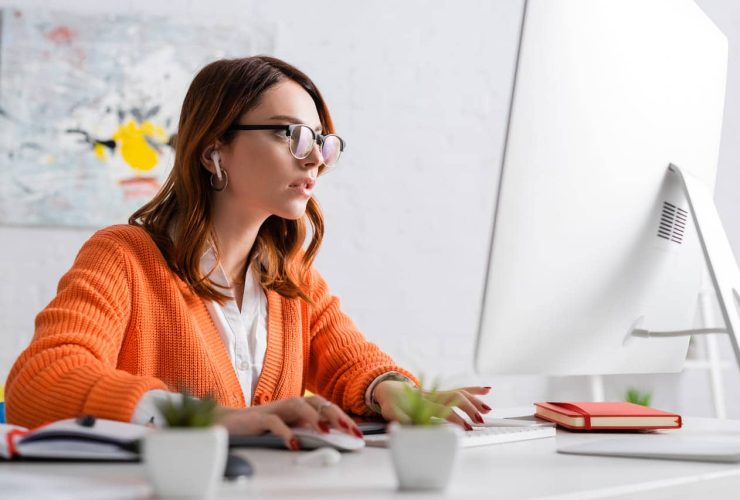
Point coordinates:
pixel 317 138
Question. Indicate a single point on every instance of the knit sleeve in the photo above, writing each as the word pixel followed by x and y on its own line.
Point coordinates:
pixel 342 362
pixel 69 369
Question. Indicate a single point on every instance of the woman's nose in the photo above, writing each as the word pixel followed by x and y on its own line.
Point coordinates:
pixel 314 159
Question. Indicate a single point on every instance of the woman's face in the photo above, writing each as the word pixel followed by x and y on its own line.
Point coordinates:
pixel 264 177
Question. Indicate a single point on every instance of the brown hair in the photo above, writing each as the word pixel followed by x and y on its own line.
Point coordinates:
pixel 179 217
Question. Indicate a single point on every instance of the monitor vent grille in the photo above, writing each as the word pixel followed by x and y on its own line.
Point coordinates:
pixel 672 223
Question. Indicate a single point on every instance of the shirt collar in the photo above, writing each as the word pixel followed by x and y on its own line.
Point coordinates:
pixel 209 263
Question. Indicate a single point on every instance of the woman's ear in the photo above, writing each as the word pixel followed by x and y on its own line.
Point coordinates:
pixel 211 160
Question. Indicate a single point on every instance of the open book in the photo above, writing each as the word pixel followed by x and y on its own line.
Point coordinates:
pixel 85 438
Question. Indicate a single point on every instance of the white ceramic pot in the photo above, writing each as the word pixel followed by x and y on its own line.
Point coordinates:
pixel 424 457
pixel 186 462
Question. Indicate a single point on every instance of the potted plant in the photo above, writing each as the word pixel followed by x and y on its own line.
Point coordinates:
pixel 186 458
pixel 423 449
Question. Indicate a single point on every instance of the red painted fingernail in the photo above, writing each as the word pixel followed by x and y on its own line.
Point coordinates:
pixel 357 432
pixel 468 427
pixel 487 387
pixel 324 427
pixel 486 407
pixel 294 444
pixel 343 424
pixel 478 418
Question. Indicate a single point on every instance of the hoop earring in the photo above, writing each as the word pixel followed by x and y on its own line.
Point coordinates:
pixel 225 181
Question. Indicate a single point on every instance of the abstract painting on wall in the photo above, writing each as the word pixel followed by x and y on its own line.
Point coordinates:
pixel 89 106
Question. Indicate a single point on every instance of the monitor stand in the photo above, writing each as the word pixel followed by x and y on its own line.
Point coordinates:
pixel 721 263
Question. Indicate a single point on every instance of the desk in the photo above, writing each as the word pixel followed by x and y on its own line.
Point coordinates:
pixel 527 469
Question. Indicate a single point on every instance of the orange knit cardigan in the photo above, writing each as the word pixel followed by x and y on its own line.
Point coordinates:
pixel 123 323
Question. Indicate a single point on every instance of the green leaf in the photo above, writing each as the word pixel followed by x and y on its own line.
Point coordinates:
pixel 190 412
pixel 637 397
pixel 422 406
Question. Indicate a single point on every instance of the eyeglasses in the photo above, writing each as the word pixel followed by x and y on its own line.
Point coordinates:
pixel 302 140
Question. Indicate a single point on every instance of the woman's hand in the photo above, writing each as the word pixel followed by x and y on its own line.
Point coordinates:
pixel 278 417
pixel 387 392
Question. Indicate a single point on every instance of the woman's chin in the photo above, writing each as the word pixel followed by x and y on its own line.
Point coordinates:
pixel 292 213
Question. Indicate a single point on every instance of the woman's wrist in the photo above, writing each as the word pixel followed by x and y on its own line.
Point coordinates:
pixel 377 394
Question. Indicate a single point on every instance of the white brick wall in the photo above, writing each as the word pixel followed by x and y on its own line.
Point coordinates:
pixel 407 225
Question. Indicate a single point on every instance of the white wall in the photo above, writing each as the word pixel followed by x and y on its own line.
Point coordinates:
pixel 407 224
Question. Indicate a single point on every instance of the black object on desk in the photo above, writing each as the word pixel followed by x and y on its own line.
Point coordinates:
pixel 370 427
pixel 86 420
pixel 237 467
pixel 267 440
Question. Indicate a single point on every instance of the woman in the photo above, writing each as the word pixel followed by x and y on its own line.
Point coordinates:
pixel 209 288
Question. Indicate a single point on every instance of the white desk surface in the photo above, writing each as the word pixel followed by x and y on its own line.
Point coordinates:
pixel 527 469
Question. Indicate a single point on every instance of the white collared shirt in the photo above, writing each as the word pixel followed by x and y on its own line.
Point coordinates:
pixel 244 334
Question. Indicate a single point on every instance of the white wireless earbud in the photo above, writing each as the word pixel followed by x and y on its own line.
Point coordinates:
pixel 216 161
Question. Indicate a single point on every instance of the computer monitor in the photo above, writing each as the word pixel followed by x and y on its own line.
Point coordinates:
pixel 593 236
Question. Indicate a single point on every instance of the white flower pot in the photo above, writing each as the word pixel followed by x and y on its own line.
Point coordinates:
pixel 186 462
pixel 424 457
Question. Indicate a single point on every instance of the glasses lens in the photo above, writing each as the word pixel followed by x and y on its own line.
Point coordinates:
pixel 331 149
pixel 301 141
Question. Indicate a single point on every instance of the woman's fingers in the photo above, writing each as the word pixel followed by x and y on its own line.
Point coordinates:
pixel 470 393
pixel 457 419
pixel 478 390
pixel 477 403
pixel 248 421
pixel 436 408
pixel 339 420
pixel 295 412
pixel 278 417
pixel 395 414
pixel 464 403
pixel 464 400
pixel 330 415
pixel 304 411
pixel 313 412
pixel 274 424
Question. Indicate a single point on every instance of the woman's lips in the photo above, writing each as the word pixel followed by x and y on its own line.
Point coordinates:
pixel 304 181
pixel 303 186
pixel 302 189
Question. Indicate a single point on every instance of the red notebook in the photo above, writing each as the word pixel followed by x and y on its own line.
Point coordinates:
pixel 606 415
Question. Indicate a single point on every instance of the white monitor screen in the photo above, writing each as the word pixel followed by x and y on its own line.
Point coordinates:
pixel 591 237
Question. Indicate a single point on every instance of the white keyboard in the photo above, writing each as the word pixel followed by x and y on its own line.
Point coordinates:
pixel 482 436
